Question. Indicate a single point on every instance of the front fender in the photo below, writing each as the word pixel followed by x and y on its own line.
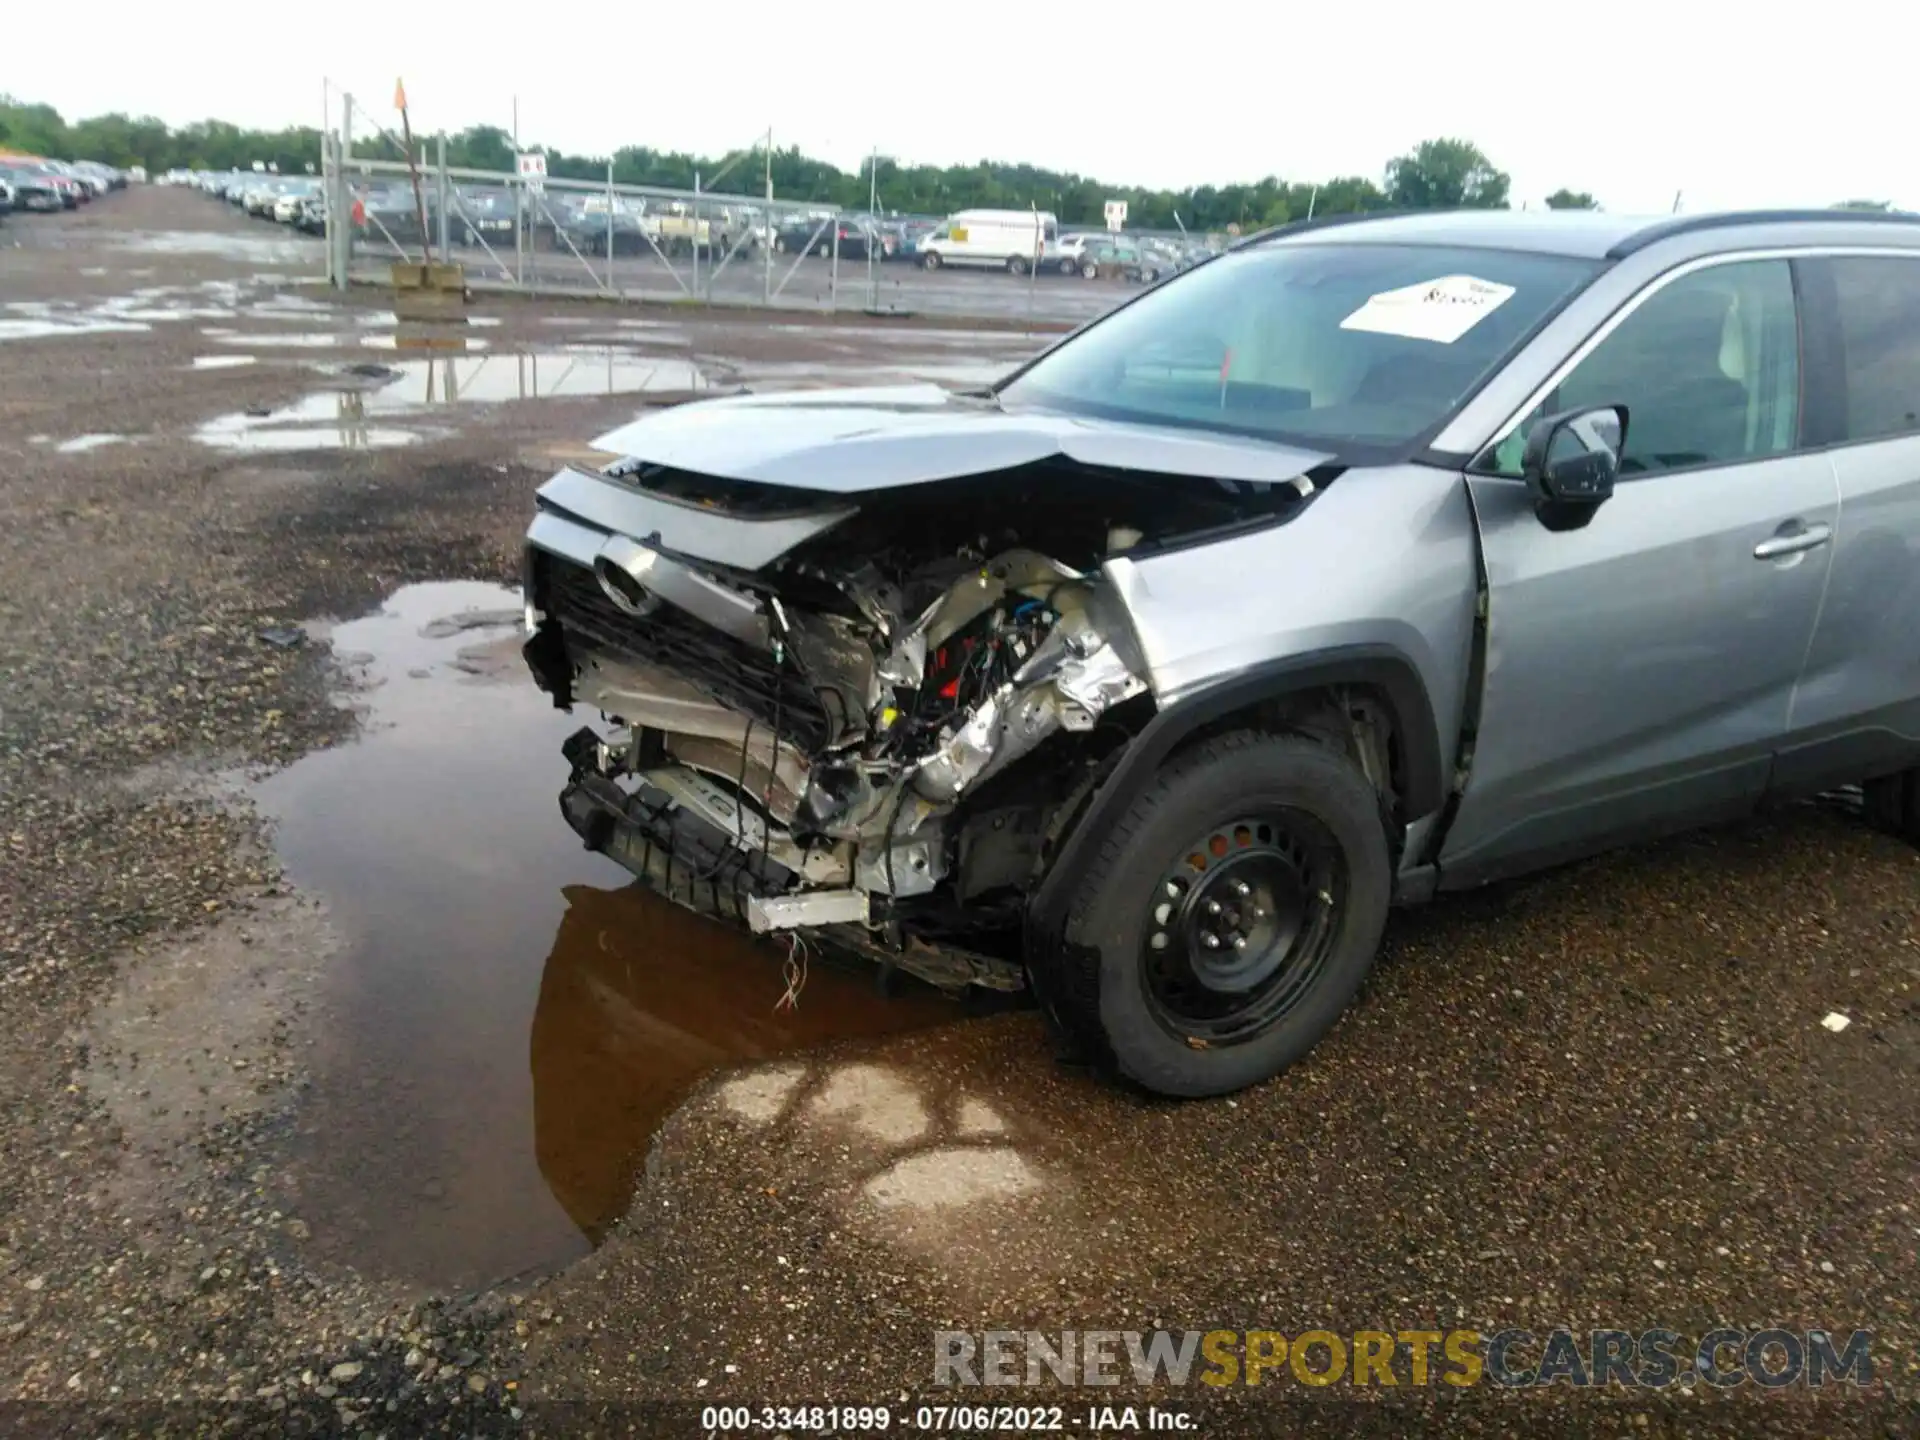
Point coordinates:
pixel 1378 667
pixel 1375 583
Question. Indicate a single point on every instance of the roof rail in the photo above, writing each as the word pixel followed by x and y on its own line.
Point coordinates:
pixel 1687 224
pixel 1322 222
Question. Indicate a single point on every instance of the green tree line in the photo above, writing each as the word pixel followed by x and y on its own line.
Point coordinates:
pixel 1436 174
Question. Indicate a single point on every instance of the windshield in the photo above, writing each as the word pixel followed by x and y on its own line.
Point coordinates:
pixel 1336 346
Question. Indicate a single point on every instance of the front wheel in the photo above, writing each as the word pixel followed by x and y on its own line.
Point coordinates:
pixel 930 261
pixel 1016 265
pixel 1229 919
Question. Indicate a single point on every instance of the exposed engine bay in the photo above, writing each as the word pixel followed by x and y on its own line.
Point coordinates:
pixel 865 717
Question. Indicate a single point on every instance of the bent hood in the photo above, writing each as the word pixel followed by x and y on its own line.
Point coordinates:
pixel 848 441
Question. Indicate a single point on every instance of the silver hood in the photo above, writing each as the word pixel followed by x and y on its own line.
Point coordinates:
pixel 848 441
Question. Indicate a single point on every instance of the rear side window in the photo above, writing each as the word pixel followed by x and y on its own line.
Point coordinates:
pixel 1879 303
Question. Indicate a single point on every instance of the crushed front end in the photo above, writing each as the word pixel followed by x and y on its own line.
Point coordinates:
pixel 863 712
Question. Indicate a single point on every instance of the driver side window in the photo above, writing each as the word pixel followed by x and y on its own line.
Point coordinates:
pixel 1708 368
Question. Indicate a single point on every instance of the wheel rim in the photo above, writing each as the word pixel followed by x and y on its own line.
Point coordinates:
pixel 1241 924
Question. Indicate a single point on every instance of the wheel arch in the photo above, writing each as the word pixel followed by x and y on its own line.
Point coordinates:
pixel 1276 694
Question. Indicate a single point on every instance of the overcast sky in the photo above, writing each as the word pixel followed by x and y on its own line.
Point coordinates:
pixel 1633 100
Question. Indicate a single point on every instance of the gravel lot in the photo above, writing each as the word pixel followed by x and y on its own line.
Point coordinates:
pixel 1601 1098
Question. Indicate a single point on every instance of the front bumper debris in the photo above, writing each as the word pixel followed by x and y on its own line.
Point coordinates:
pixel 684 856
pixel 696 863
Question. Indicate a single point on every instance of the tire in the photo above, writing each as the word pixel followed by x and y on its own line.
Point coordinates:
pixel 1089 270
pixel 1278 819
pixel 930 261
pixel 1069 267
pixel 1016 264
pixel 1893 804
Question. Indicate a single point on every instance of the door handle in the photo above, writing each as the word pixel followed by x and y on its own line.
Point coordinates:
pixel 1792 542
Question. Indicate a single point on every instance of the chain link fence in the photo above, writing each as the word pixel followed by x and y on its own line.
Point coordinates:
pixel 553 236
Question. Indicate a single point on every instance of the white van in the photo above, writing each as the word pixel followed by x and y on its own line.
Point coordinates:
pixel 993 239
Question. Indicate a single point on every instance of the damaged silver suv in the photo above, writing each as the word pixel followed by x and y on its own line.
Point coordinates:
pixel 1365 561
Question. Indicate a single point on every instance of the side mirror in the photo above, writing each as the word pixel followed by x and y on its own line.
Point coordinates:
pixel 1572 460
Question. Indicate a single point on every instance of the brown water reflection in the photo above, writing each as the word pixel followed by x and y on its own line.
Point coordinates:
pixel 640 998
pixel 509 1018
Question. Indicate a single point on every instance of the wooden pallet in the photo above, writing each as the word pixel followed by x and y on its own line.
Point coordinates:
pixel 429 292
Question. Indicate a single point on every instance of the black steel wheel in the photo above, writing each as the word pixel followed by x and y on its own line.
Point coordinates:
pixel 1226 920
pixel 1241 924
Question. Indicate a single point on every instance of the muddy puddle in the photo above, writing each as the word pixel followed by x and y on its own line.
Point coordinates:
pixel 52 325
pixel 247 249
pixel 410 389
pixel 536 375
pixel 330 420
pixel 150 305
pixel 509 1019
pixel 82 444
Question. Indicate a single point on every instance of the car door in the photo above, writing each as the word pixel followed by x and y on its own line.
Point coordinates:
pixel 1856 713
pixel 1639 670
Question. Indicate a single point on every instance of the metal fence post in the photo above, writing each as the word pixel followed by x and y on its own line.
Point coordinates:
pixel 445 186
pixel 610 224
pixel 344 155
pixel 833 271
pixel 519 230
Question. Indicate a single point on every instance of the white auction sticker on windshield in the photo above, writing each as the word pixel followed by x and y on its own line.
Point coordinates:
pixel 1439 310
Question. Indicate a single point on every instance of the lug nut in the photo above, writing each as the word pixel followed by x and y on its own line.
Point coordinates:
pixel 1258 913
pixel 1210 940
pixel 1242 889
pixel 1241 943
pixel 1213 907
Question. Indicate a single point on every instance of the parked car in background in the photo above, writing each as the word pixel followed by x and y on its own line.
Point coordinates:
pixel 1064 254
pixel 32 189
pixel 1112 254
pixel 855 237
pixel 799 234
pixel 900 239
pixel 596 229
pixel 1158 259
pixel 257 199
pixel 88 188
pixel 991 239
pixel 6 198
pixel 389 213
pixel 312 219
pixel 481 213
pixel 293 194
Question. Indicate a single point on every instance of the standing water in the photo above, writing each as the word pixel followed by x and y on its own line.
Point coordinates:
pixel 510 1019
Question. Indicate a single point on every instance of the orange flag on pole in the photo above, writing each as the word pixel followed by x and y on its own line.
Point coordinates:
pixel 399 95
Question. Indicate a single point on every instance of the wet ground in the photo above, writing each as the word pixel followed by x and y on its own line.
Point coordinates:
pixel 508 1021
pixel 315 1020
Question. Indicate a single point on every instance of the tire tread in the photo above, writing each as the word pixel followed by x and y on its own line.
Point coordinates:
pixel 1066 969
